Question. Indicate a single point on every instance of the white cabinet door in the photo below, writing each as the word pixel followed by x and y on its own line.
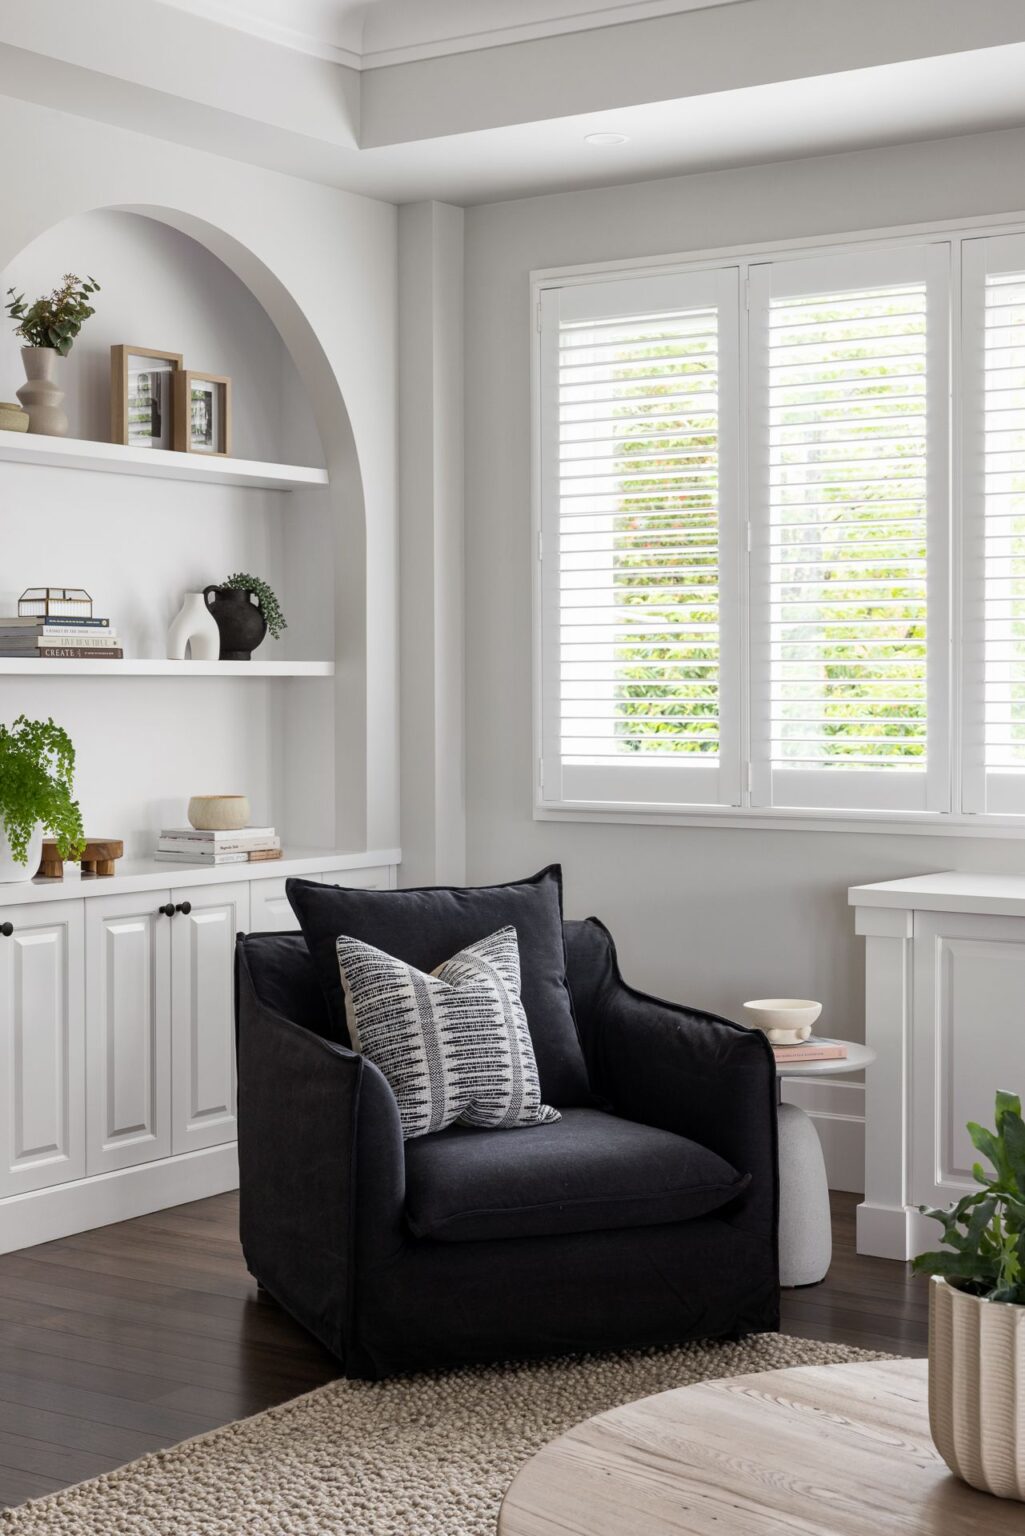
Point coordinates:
pixel 202 1013
pixel 968 1040
pixel 269 910
pixel 42 1056
pixel 381 878
pixel 128 1028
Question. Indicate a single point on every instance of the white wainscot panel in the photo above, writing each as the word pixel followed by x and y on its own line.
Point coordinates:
pixel 42 1121
pixel 969 1040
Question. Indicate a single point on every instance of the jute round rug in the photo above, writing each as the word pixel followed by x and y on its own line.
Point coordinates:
pixel 424 1455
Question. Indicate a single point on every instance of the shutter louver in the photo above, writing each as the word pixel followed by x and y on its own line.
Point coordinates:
pixel 994 307
pixel 634 499
pixel 844 642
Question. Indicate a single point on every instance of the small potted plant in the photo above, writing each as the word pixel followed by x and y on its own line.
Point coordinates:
pixel 977 1315
pixel 244 608
pixel 37 777
pixel 48 327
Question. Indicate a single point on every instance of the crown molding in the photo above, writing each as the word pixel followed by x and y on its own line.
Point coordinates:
pixel 360 53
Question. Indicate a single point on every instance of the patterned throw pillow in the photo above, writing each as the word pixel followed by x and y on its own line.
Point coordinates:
pixel 453 1045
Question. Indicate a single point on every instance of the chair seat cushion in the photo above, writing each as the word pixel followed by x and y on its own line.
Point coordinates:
pixel 589 1171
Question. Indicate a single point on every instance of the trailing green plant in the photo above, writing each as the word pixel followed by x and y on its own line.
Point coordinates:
pixel 55 319
pixel 269 605
pixel 37 780
pixel 984 1232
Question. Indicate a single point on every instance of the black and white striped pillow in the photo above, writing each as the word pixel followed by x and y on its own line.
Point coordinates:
pixel 453 1045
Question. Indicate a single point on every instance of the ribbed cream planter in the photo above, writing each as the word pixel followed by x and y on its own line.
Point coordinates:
pixel 977 1388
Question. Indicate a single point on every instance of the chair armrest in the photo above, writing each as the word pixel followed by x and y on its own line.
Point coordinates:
pixel 321 1167
pixel 677 1068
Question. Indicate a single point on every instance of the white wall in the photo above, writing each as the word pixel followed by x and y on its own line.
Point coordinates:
pixel 322 264
pixel 710 916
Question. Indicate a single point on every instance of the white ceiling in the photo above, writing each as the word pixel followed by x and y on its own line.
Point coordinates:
pixel 697 86
pixel 368 34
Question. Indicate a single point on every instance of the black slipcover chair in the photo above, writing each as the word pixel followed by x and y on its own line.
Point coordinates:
pixel 649 1218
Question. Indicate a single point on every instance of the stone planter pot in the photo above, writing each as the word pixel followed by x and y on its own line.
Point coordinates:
pixel 41 395
pixel 241 623
pixel 977 1388
pixel 11 871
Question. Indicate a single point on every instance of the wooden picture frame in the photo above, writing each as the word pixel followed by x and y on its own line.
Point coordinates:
pixel 202 413
pixel 128 396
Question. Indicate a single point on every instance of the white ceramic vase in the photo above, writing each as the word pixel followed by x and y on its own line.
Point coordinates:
pixel 10 870
pixel 41 396
pixel 977 1388
pixel 193 630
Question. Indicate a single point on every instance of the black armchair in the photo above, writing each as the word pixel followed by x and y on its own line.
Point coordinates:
pixel 649 1218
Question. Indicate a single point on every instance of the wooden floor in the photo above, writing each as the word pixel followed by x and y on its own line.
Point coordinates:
pixel 129 1338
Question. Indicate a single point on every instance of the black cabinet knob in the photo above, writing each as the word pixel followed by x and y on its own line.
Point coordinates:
pixel 167 910
pixel 184 907
pixel 6 929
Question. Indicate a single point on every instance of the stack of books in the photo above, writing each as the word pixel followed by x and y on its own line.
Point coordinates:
pixel 812 1049
pixel 184 845
pixel 59 638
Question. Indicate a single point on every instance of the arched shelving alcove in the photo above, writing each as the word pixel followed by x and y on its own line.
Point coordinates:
pixel 291 731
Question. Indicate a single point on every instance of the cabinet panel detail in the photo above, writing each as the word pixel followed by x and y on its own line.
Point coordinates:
pixel 128 982
pixel 202 1002
pixel 41 1047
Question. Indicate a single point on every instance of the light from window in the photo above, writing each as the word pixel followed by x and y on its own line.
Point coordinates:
pixel 639 541
pixel 1004 553
pixel 847 511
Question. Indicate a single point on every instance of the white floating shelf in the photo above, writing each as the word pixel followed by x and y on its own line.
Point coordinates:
pixel 155 463
pixel 11 666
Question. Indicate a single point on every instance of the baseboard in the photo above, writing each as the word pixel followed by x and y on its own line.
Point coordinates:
pixel 837 1111
pixel 41 1215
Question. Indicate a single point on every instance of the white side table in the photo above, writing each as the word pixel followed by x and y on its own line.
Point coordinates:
pixel 805 1234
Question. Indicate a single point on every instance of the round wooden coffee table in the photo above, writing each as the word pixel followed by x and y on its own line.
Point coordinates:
pixel 828 1450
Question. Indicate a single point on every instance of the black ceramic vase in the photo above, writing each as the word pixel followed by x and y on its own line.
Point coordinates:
pixel 239 620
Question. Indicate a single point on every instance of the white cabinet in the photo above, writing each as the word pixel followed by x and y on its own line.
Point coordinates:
pixel 42 1057
pixel 203 930
pixel 117 1035
pixel 128 1029
pixel 945 1013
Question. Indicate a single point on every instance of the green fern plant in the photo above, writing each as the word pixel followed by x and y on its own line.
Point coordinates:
pixel 269 605
pixel 984 1232
pixel 37 780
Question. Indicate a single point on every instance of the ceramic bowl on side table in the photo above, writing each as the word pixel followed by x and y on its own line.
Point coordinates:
pixel 786 1020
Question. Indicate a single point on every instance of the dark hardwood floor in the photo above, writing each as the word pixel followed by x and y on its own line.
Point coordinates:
pixel 129 1338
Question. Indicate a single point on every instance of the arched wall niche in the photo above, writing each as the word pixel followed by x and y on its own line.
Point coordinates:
pixel 321 727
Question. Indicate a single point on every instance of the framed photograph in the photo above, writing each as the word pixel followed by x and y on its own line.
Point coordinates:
pixel 142 396
pixel 202 413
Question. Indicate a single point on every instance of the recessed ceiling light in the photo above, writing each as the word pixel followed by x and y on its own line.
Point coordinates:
pixel 603 139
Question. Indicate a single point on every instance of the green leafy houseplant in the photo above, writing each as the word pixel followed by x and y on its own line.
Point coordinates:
pixel 55 319
pixel 269 605
pixel 37 777
pixel 984 1232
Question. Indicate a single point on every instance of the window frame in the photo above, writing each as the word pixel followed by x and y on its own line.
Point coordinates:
pixel 946 737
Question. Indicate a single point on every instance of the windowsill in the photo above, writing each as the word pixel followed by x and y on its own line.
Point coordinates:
pixel 759 819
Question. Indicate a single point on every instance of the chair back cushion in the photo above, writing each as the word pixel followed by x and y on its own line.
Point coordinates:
pixel 454 1045
pixel 588 1172
pixel 427 926
pixel 285 981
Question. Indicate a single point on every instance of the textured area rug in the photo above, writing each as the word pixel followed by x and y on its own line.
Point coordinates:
pixel 424 1455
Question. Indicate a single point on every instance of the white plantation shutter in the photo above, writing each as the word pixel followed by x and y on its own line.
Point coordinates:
pixel 639 559
pixel 994 524
pixel 849 483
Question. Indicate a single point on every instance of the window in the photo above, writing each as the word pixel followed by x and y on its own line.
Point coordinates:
pixel 781 517
pixel 640 470
pixel 994 457
pixel 849 392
